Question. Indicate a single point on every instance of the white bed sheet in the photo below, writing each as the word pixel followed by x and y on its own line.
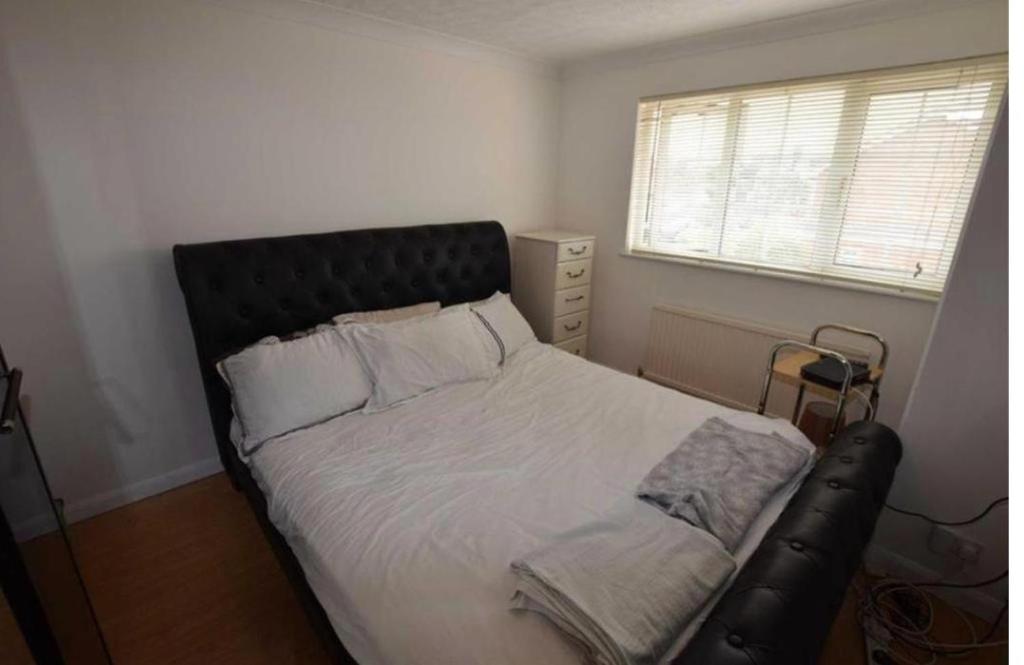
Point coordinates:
pixel 405 521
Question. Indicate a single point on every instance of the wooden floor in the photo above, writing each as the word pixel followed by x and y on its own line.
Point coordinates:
pixel 186 577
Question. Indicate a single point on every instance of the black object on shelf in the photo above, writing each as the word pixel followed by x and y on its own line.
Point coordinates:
pixel 830 373
pixel 46 616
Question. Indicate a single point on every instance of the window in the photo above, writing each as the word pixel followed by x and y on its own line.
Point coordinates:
pixel 862 178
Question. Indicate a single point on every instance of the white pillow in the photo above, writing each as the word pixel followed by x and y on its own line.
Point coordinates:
pixel 389 315
pixel 473 303
pixel 408 358
pixel 503 320
pixel 277 387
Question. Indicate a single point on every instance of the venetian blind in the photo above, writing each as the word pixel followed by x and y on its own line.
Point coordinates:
pixel 863 177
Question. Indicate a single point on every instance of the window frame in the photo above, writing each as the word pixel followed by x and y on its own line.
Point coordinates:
pixel 853 119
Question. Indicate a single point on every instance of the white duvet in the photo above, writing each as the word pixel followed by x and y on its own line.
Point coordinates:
pixel 405 521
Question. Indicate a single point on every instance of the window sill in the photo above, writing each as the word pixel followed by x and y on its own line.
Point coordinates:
pixel 893 292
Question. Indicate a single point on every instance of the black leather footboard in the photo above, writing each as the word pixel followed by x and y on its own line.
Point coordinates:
pixel 781 606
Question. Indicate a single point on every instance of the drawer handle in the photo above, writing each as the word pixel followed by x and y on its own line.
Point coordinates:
pixel 577 275
pixel 569 328
pixel 577 252
pixel 577 298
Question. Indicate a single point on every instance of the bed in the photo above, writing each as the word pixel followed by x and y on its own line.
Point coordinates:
pixel 397 528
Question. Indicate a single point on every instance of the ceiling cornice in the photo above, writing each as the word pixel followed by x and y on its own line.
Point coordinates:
pixel 833 19
pixel 330 17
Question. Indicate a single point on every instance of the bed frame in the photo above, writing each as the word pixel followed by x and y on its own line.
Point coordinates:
pixel 779 609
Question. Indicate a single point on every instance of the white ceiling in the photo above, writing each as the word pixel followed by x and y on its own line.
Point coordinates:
pixel 558 31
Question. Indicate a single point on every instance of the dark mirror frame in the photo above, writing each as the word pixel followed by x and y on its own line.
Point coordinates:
pixel 15 581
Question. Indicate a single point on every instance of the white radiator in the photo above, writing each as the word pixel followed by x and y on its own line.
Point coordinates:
pixel 719 358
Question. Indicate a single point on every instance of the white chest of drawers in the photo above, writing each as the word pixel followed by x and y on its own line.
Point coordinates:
pixel 551 276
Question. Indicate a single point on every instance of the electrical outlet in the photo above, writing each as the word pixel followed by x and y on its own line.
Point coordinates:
pixel 947 541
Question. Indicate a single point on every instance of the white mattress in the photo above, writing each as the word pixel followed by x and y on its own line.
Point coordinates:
pixel 405 521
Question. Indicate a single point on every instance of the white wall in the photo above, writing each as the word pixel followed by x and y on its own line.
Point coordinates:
pixel 131 125
pixel 955 425
pixel 598 116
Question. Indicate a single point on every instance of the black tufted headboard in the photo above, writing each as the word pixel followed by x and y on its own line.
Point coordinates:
pixel 778 610
pixel 239 291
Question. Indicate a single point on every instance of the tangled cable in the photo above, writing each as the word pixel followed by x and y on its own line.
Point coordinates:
pixel 899 611
pixel 893 610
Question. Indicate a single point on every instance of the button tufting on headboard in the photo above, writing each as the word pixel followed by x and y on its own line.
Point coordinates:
pixel 779 609
pixel 239 291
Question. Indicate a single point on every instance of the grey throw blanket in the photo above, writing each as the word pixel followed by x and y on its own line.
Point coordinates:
pixel 720 477
pixel 625 587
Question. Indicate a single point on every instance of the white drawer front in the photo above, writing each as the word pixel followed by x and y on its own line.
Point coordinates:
pixel 576 345
pixel 571 325
pixel 572 273
pixel 572 300
pixel 577 249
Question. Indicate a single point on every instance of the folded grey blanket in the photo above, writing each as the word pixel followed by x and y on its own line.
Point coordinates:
pixel 625 587
pixel 720 477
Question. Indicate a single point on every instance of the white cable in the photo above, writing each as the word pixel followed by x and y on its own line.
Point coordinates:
pixel 878 612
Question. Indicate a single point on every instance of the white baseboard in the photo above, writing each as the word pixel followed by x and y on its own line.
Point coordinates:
pixel 101 503
pixel 881 561
pixel 76 511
